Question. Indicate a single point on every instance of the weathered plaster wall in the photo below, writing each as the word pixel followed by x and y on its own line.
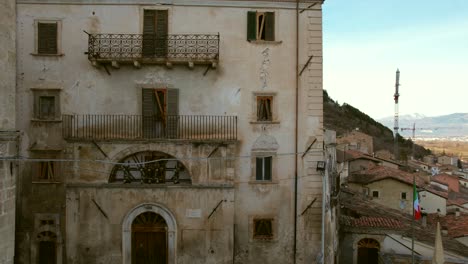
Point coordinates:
pixel 8 138
pixel 244 68
pixel 390 193
pixel 97 238
pixel 432 203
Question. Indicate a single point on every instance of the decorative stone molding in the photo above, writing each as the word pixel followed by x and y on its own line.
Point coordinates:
pixel 265 142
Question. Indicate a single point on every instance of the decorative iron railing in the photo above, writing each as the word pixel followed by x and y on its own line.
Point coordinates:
pixel 138 127
pixel 151 48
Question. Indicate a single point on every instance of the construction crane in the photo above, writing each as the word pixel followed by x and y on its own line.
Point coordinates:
pixel 395 127
pixel 424 128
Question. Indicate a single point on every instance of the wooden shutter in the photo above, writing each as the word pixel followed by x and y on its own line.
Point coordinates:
pixel 172 112
pixel 47 38
pixel 148 111
pixel 161 33
pixel 268 168
pixel 149 28
pixel 270 26
pixel 252 25
pixel 259 169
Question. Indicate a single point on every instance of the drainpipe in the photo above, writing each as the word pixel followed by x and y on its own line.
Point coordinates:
pixel 296 133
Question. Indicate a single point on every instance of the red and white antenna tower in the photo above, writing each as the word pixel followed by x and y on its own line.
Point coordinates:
pixel 395 126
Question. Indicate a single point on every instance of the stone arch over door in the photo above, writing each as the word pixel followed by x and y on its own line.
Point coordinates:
pixel 171 230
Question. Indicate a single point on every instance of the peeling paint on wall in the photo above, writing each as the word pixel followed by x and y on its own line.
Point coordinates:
pixel 264 69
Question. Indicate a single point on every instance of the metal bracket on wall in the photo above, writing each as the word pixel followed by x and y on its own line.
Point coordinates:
pixel 99 148
pixel 308 207
pixel 307 8
pixel 212 212
pixel 309 147
pixel 307 64
pixel 100 209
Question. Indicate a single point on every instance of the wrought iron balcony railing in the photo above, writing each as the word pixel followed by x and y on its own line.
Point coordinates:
pixel 138 127
pixel 151 48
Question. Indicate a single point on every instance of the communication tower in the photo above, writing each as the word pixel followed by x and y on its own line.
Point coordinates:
pixel 395 126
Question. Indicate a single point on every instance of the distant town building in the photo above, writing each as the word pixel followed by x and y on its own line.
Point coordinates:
pixel 356 140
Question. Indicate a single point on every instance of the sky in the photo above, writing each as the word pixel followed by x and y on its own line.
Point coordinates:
pixel 365 41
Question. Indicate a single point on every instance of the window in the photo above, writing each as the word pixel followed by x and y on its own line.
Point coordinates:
pixel 263 167
pixel 264 110
pixel 375 194
pixel 48 37
pixel 160 110
pixel 46 104
pixel 403 195
pixel 263 229
pixel 46 107
pixel 155 30
pixel 46 171
pixel 260 26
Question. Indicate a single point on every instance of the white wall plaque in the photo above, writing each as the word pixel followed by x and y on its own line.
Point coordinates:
pixel 193 213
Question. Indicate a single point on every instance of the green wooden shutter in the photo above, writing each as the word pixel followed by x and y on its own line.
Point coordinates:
pixel 47 38
pixel 148 112
pixel 161 33
pixel 270 26
pixel 252 25
pixel 149 28
pixel 172 112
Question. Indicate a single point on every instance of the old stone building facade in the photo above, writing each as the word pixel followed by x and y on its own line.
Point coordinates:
pixel 8 136
pixel 168 130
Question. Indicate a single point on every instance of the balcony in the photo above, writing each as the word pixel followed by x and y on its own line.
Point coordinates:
pixel 171 49
pixel 138 127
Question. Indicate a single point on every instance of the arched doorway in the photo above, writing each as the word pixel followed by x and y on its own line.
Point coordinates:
pixel 151 226
pixel 368 251
pixel 149 239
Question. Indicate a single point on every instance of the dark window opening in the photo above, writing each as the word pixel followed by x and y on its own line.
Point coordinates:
pixel 403 195
pixel 263 229
pixel 47 38
pixel 264 111
pixel 375 194
pixel 263 168
pixel 260 26
pixel 46 170
pixel 46 107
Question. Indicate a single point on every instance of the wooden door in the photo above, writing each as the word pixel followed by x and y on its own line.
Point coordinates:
pixel 154 111
pixel 47 254
pixel 155 33
pixel 149 239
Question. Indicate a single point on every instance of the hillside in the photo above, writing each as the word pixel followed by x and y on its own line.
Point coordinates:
pixel 344 118
pixel 453 126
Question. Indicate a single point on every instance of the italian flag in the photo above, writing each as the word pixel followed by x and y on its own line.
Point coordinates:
pixel 417 208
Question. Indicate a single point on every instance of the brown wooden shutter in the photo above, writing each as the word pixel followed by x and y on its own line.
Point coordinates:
pixel 149 28
pixel 47 38
pixel 172 112
pixel 161 33
pixel 270 26
pixel 252 25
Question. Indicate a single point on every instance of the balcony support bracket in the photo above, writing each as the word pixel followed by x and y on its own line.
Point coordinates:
pixel 137 64
pixel 169 64
pixel 115 64
pixel 191 64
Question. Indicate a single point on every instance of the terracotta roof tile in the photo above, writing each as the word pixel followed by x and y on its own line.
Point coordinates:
pixel 378 173
pixel 450 180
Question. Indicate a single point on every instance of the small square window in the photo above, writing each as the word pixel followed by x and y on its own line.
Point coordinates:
pixel 403 195
pixel 263 229
pixel 375 194
pixel 260 26
pixel 46 171
pixel 47 33
pixel 46 107
pixel 46 104
pixel 264 108
pixel 263 168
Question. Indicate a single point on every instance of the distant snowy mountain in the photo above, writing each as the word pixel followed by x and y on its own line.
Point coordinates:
pixel 446 126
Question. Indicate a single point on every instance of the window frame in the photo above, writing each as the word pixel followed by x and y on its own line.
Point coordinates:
pixel 377 192
pixel 258 32
pixel 59 51
pixel 273 108
pixel 263 154
pixel 405 194
pixel 37 95
pixel 263 176
pixel 263 239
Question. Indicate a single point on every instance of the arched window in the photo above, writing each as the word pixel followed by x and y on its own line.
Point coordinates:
pixel 150 167
pixel 368 251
